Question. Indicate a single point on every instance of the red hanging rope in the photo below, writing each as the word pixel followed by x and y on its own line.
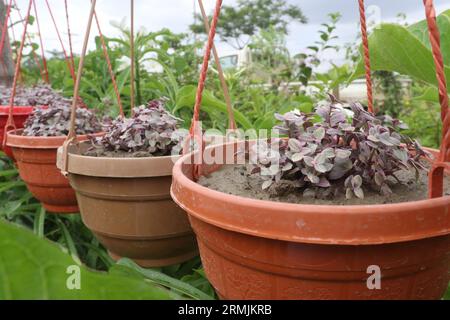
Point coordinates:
pixel 195 132
pixel 33 53
pixel 44 60
pixel 5 28
pixel 205 65
pixel 436 176
pixel 3 37
pixel 110 69
pixel 69 64
pixel 69 34
pixel 10 122
pixel 365 40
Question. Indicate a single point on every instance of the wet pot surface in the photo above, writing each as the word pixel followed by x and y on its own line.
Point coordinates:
pixel 253 249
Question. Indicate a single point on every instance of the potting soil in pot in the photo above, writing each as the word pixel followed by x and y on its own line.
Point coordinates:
pixel 236 180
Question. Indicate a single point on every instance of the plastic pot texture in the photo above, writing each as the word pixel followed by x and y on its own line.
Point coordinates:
pixel 20 114
pixel 254 249
pixel 36 160
pixel 126 203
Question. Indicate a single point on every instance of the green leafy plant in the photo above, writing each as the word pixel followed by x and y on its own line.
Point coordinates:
pixel 387 49
pixel 34 268
pixel 245 19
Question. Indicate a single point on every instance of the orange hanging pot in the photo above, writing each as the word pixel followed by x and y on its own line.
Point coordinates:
pixel 36 160
pixel 20 114
pixel 254 249
pixel 126 203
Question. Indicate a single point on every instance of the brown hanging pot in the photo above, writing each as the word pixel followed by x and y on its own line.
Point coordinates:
pixel 126 202
pixel 254 249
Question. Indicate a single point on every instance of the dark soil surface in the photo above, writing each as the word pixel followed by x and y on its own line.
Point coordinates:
pixel 235 180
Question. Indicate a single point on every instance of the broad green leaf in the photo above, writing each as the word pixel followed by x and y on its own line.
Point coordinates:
pixel 186 99
pixel 402 50
pixel 34 268
pixel 420 30
pixel 429 94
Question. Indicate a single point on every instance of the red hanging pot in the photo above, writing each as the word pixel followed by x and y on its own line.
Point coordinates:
pixel 36 160
pixel 254 249
pixel 20 115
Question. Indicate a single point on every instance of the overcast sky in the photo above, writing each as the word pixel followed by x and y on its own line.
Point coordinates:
pixel 177 15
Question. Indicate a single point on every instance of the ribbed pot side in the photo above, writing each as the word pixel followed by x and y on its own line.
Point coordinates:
pixel 36 160
pixel 129 208
pixel 253 249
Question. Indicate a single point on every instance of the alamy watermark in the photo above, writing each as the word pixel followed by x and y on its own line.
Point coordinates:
pixel 374 280
pixel 73 281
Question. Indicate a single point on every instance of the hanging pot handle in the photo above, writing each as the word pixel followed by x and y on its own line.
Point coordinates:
pixel 10 125
pixel 195 132
pixel 110 69
pixel 366 54
pixel 436 176
pixel 223 82
pixel 72 136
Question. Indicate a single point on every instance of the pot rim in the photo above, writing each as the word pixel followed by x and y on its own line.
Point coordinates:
pixel 14 139
pixel 117 167
pixel 307 223
pixel 19 110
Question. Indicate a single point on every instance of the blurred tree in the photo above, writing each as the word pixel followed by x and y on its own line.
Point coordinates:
pixel 6 61
pixel 237 24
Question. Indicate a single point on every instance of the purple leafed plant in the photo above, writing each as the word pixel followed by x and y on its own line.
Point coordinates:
pixel 38 95
pixel 55 121
pixel 336 147
pixel 151 131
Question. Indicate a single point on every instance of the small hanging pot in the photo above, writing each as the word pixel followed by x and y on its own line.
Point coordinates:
pixel 36 160
pixel 126 203
pixel 20 114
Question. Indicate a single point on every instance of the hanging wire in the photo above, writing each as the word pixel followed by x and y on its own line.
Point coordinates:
pixel 4 33
pixel 5 28
pixel 33 53
pixel 10 122
pixel 132 56
pixel 69 34
pixel 44 60
pixel 72 136
pixel 69 64
pixel 110 69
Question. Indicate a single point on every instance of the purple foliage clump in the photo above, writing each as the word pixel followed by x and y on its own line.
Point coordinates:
pixel 337 145
pixel 151 131
pixel 38 95
pixel 55 121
